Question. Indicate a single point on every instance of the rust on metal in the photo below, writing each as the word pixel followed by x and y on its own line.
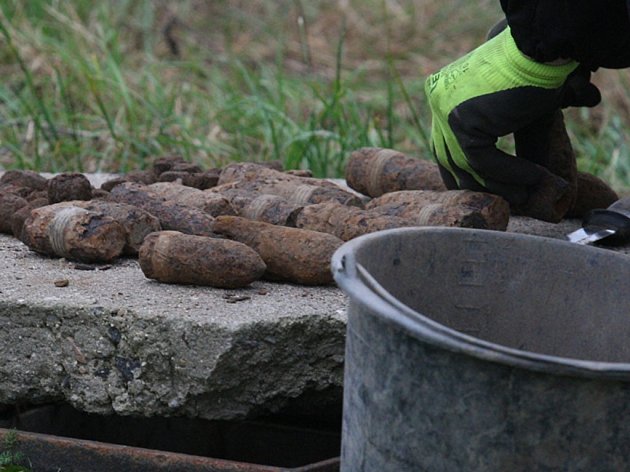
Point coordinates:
pixel 49 452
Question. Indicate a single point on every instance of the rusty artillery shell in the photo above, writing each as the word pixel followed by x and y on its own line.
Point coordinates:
pixel 347 222
pixel 208 179
pixel 548 201
pixel 69 186
pixel 556 193
pixel 174 257
pixel 294 255
pixel 175 168
pixel 74 233
pixel 18 190
pixel 375 171
pixel 174 164
pixel 300 172
pixel 143 177
pixel 173 216
pixel 562 162
pixel 18 218
pixel 146 177
pixel 274 165
pixel 270 209
pixel 9 204
pixel 165 164
pixel 137 222
pixel 298 190
pixel 99 194
pixel 592 193
pixel 187 167
pixel 456 208
pixel 201 180
pixel 240 166
pixel 251 171
pixel 211 202
pixel 108 185
pixel 37 195
pixel 24 178
pixel 27 193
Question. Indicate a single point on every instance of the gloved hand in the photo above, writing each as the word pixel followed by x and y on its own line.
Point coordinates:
pixel 494 91
pixel 579 91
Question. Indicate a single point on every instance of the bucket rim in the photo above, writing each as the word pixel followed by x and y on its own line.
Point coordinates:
pixel 361 287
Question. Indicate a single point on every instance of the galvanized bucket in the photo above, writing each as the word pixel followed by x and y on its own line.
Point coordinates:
pixel 471 350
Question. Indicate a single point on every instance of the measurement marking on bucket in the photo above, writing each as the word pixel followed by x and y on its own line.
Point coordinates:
pixel 471 272
pixel 468 317
pixel 471 319
pixel 474 245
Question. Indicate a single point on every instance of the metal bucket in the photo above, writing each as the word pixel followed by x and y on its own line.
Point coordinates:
pixel 471 350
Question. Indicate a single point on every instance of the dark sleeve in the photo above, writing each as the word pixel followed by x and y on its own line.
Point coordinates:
pixel 595 33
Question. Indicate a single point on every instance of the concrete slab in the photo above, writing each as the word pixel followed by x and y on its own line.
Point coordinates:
pixel 112 341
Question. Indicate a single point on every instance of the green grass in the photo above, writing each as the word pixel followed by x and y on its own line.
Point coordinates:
pixel 107 86
pixel 10 458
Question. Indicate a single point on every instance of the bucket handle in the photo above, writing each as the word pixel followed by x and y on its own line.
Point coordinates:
pixel 356 280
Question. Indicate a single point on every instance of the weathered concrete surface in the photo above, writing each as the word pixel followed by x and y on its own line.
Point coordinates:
pixel 534 227
pixel 112 341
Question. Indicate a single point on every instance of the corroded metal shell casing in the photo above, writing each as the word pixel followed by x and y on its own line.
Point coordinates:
pixel 375 171
pixel 292 254
pixel 74 233
pixel 177 258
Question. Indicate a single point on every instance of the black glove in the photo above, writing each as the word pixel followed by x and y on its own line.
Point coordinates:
pixel 580 91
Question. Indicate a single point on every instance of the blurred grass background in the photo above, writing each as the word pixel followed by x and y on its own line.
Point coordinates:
pixel 107 86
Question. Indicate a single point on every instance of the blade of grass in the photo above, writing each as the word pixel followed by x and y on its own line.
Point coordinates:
pixel 412 109
pixel 31 86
